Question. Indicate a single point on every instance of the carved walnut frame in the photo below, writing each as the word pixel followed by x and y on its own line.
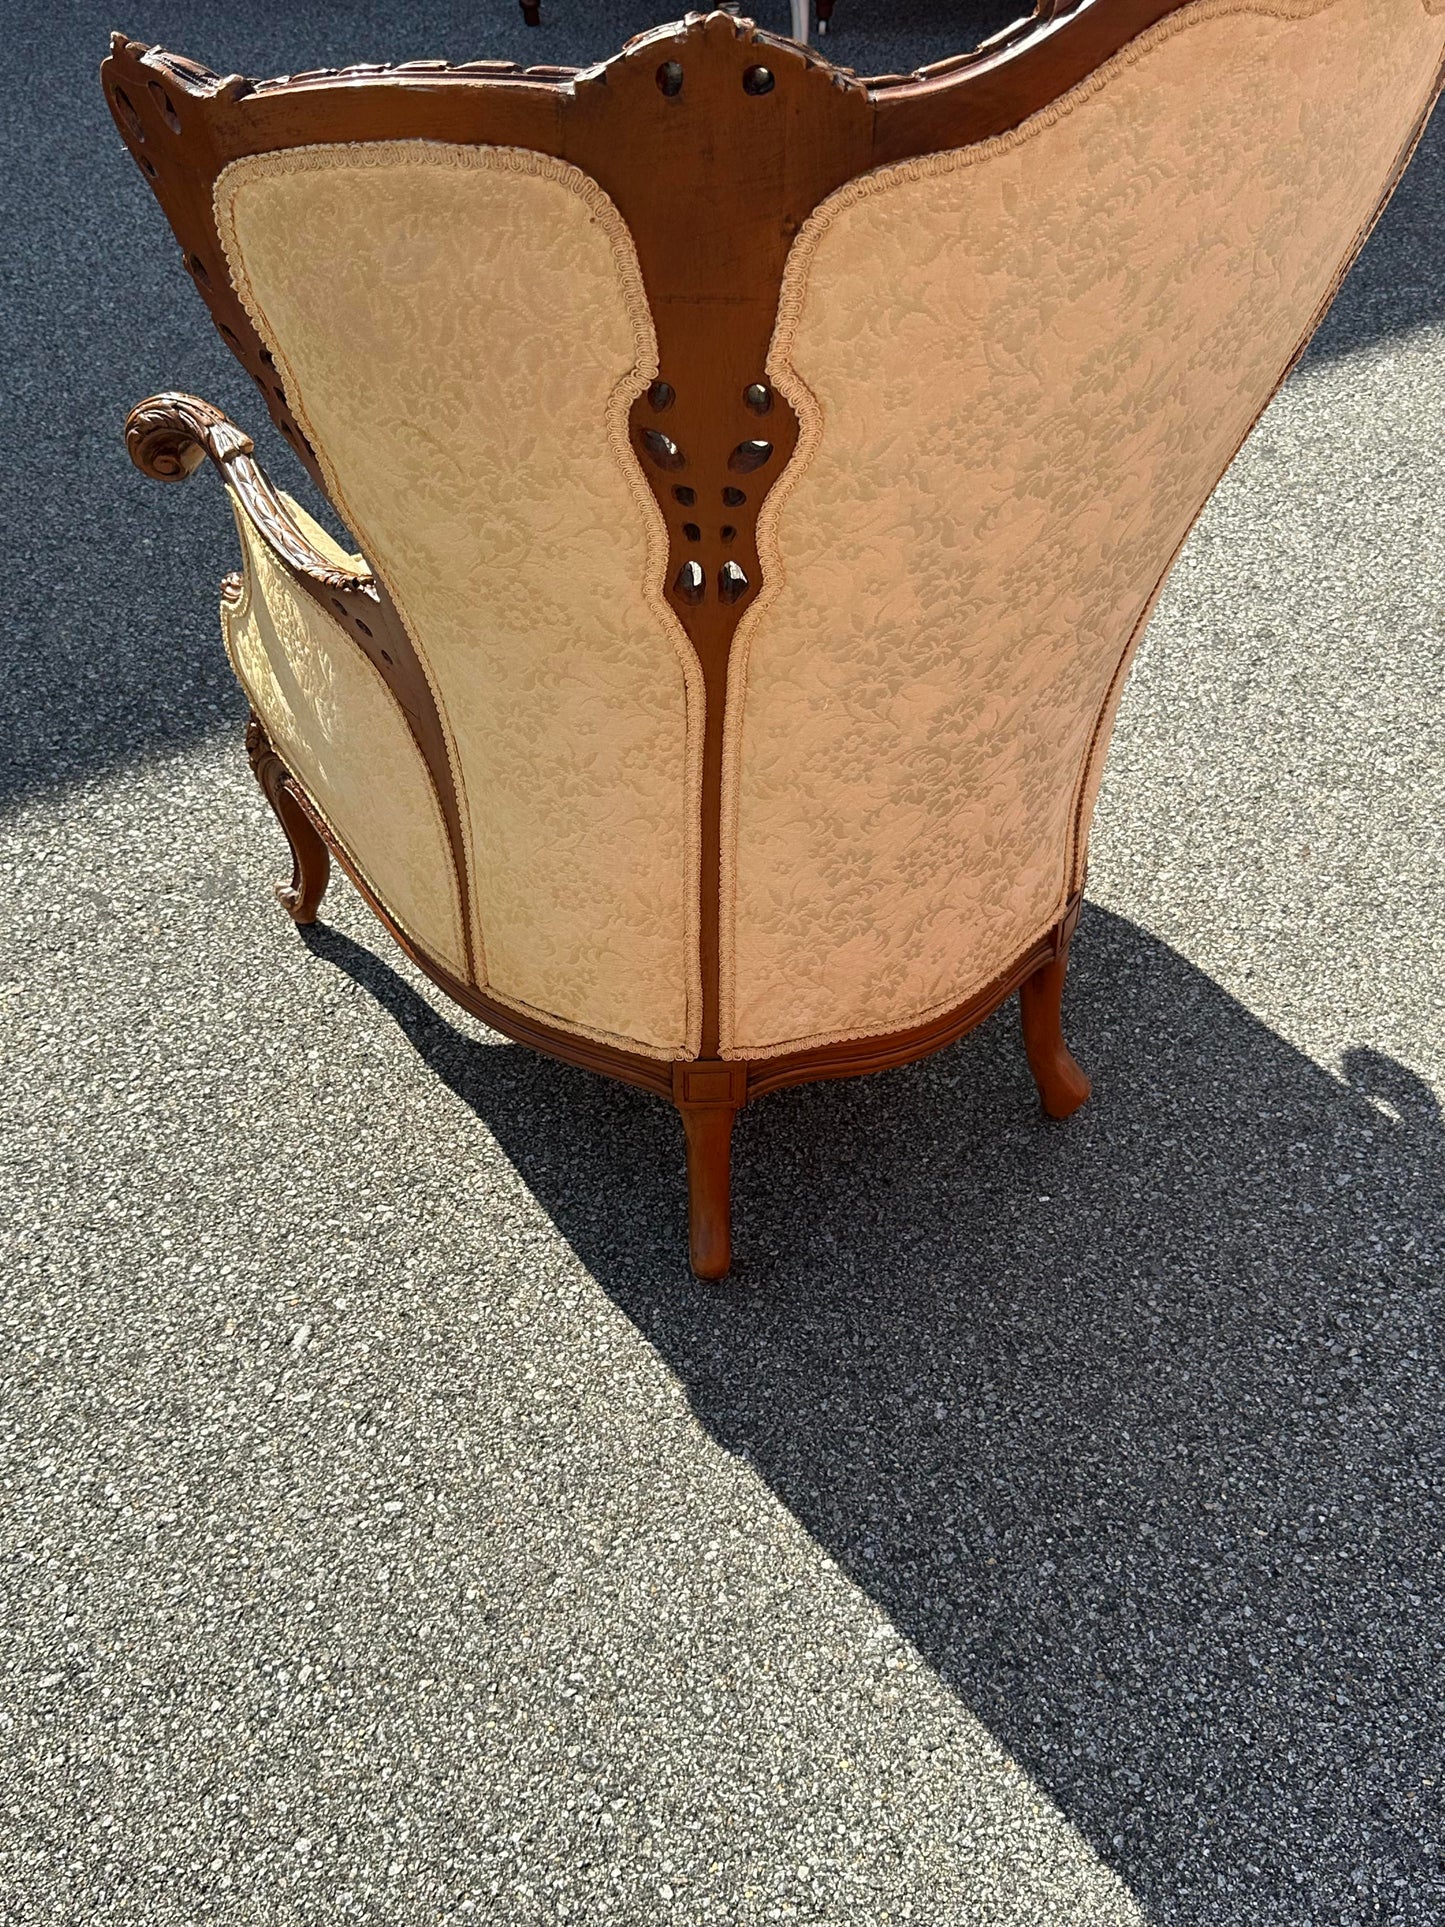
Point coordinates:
pixel 713 219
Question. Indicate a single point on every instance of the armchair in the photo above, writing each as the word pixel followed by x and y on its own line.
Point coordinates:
pixel 761 479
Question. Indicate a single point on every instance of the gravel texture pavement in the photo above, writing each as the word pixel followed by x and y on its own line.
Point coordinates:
pixel 1045 1527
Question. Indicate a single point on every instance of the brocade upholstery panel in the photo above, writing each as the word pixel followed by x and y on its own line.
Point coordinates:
pixel 339 730
pixel 1020 369
pixel 461 330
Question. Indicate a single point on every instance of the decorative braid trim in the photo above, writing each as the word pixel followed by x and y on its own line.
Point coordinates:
pixel 519 160
pixel 805 404
pixel 955 1000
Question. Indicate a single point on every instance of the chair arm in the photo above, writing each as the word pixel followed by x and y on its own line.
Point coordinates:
pixel 167 438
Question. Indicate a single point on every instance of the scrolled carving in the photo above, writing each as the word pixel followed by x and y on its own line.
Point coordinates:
pixel 169 436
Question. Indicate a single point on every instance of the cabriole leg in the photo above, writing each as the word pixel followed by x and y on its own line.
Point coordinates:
pixel 1062 1085
pixel 310 858
pixel 709 1095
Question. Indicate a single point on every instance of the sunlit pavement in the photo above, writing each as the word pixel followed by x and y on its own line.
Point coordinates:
pixel 1046 1525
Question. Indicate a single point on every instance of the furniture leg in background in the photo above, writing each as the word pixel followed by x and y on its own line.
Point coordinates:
pixel 310 858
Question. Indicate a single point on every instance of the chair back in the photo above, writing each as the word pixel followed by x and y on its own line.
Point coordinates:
pixel 772 472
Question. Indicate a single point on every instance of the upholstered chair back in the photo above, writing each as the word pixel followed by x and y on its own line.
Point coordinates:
pixel 461 331
pixel 761 477
pixel 1020 367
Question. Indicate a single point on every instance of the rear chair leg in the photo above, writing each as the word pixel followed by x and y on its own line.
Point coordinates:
pixel 1062 1085
pixel 709 1188
pixel 310 858
pixel 709 1095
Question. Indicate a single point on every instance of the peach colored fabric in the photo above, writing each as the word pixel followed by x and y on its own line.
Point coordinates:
pixel 339 730
pixel 1020 368
pixel 461 330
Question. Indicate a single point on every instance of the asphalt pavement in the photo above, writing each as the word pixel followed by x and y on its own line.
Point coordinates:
pixel 1044 1527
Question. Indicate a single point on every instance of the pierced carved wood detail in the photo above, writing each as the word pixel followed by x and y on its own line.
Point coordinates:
pixel 708 104
pixel 715 141
pixel 700 97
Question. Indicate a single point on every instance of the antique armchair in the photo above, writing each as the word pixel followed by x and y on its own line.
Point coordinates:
pixel 760 479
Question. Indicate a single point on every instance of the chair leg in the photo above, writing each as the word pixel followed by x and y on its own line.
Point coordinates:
pixel 532 12
pixel 824 10
pixel 1062 1085
pixel 709 1129
pixel 310 858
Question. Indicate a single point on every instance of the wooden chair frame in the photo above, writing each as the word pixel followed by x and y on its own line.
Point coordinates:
pixel 712 259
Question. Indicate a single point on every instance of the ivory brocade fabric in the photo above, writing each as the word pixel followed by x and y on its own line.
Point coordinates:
pixel 338 728
pixel 461 331
pixel 1020 368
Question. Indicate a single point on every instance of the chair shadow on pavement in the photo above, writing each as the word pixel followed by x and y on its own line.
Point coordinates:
pixel 1127 1424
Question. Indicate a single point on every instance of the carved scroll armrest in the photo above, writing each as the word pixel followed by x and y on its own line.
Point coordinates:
pixel 168 437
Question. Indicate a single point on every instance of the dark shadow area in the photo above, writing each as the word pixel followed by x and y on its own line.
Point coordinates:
pixel 1125 1423
pixel 1398 284
pixel 111 646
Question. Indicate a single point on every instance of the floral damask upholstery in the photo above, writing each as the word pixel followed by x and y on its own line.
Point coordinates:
pixel 721 775
pixel 464 329
pixel 1020 367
